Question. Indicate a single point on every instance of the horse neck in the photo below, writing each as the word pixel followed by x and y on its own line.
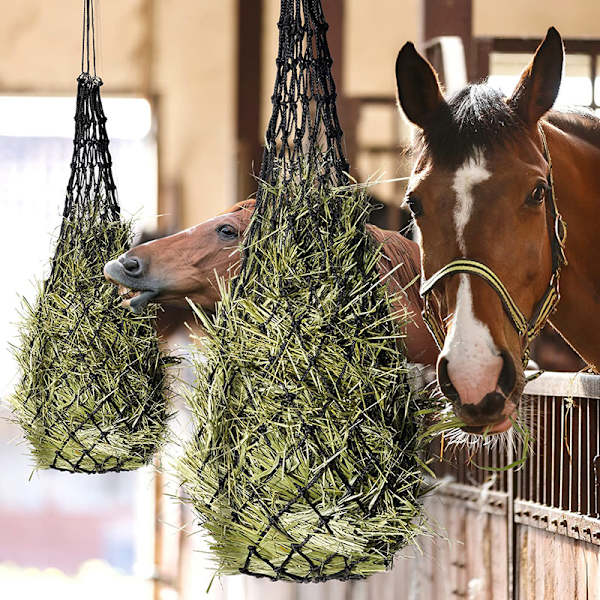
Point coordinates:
pixel 576 166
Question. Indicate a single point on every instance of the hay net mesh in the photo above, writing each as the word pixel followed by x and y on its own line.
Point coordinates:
pixel 91 191
pixel 304 127
pixel 303 465
pixel 92 395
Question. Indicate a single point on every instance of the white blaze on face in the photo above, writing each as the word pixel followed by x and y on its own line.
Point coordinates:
pixel 474 362
pixel 471 173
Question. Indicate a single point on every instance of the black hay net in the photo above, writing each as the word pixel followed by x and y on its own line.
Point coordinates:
pixel 91 196
pixel 304 121
pixel 91 192
pixel 92 396
pixel 304 464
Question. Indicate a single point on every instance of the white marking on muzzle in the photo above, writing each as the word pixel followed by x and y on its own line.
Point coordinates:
pixel 474 362
pixel 471 173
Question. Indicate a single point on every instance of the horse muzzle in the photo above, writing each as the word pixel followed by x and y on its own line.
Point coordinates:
pixel 494 410
pixel 135 290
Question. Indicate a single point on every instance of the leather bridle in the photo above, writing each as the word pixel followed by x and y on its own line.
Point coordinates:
pixel 527 329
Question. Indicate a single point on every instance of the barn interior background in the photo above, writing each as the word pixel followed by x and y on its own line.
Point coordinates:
pixel 187 96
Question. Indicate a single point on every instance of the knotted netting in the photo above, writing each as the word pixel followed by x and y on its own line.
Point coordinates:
pixel 92 396
pixel 305 465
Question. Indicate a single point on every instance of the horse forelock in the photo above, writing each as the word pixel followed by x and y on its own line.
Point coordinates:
pixel 477 119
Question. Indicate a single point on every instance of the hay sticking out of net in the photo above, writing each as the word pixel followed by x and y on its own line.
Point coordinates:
pixel 92 397
pixel 306 462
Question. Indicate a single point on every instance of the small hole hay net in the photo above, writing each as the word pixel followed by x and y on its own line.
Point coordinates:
pixel 92 396
pixel 305 465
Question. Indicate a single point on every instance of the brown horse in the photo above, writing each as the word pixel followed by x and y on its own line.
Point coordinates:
pixel 482 195
pixel 187 265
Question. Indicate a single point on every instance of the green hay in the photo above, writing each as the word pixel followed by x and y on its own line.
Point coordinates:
pixel 306 463
pixel 92 397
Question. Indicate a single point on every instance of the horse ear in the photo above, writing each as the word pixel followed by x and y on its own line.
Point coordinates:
pixel 419 90
pixel 540 81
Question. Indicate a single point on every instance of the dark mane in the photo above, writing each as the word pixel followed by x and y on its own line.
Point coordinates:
pixel 578 121
pixel 475 118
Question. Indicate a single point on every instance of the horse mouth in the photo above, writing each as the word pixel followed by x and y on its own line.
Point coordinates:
pixel 135 300
pixel 501 425
pixel 132 294
pixel 127 294
pixel 497 428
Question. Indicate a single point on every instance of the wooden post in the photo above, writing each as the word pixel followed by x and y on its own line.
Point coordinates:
pixel 450 17
pixel 346 107
pixel 158 555
pixel 249 78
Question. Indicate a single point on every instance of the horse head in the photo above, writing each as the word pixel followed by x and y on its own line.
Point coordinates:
pixel 188 264
pixel 184 265
pixel 480 196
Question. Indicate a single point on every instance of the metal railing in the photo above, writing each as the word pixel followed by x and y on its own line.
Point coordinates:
pixel 561 412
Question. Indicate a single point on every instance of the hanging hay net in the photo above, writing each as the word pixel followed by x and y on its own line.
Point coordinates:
pixel 305 466
pixel 92 396
pixel 306 462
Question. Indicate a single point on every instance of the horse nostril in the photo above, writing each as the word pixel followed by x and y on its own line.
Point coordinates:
pixel 131 264
pixel 444 381
pixel 508 376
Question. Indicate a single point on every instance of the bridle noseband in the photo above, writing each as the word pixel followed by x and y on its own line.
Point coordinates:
pixel 527 329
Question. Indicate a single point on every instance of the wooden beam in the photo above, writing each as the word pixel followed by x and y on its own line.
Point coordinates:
pixel 347 108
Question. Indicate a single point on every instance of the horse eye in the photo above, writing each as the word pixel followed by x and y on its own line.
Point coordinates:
pixel 414 204
pixel 226 232
pixel 538 194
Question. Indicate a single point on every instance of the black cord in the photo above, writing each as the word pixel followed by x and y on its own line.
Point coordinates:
pixel 88 24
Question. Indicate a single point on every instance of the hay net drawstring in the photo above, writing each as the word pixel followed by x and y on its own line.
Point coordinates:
pixel 92 396
pixel 305 465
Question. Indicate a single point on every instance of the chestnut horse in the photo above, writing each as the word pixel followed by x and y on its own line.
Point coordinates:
pixel 187 265
pixel 490 176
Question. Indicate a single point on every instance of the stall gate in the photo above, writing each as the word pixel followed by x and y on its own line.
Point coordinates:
pixel 532 533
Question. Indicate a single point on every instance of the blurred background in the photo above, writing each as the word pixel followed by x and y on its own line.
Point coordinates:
pixel 187 94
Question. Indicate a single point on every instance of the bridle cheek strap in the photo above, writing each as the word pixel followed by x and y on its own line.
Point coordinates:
pixel 527 329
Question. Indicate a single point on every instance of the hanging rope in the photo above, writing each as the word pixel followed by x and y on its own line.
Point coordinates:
pixel 92 397
pixel 89 33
